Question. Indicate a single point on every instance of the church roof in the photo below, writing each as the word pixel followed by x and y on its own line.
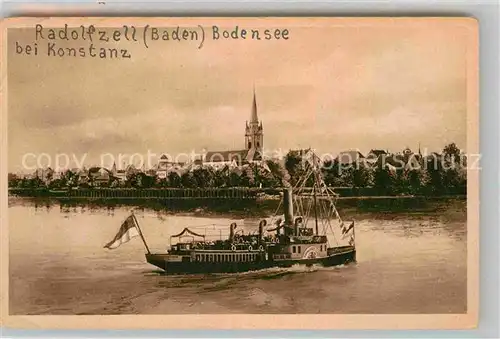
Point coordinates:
pixel 224 156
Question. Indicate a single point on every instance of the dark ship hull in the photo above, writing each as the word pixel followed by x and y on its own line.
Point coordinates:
pixel 185 265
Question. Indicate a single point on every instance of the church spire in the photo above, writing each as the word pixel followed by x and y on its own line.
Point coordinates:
pixel 254 137
pixel 254 118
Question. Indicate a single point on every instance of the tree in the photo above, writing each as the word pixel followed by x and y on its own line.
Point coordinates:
pixel 174 180
pixel 13 180
pixel 450 179
pixel 70 178
pixel 260 176
pixel 294 165
pixel 360 176
pixel 162 183
pixel 346 177
pixel 234 177
pixel 252 173
pixel 246 178
pixel 434 169
pixel 145 181
pixel 57 184
pixel 451 153
pixel 204 177
pixel 32 183
pixel 134 180
pixel 221 177
pixel 188 180
pixel 399 180
pixel 278 175
pixel 383 180
pixel 268 174
pixel 138 180
pixel 415 180
pixel 454 169
pixel 332 173
pixel 49 175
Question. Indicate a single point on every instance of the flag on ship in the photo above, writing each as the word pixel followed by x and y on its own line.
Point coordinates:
pixel 351 241
pixel 128 230
pixel 347 230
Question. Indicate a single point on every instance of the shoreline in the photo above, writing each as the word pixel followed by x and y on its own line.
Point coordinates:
pixel 348 206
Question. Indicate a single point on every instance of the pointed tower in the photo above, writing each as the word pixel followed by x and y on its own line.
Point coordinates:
pixel 254 137
pixel 254 119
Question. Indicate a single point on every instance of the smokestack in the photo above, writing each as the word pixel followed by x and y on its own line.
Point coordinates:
pixel 288 206
pixel 231 231
pixel 296 225
pixel 261 229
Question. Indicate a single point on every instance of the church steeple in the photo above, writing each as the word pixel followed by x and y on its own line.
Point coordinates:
pixel 254 138
pixel 254 119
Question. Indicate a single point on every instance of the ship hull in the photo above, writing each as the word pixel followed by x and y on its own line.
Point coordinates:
pixel 163 262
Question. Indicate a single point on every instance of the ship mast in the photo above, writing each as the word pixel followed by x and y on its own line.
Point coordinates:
pixel 315 208
pixel 315 181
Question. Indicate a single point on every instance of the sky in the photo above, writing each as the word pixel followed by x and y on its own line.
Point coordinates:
pixel 329 87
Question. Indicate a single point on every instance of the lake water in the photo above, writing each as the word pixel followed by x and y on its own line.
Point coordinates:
pixel 408 262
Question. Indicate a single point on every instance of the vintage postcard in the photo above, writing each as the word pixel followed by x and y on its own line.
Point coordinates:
pixel 245 173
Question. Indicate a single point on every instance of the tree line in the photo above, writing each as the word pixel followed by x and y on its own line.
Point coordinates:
pixel 443 173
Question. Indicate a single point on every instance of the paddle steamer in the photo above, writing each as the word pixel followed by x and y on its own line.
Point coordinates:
pixel 289 240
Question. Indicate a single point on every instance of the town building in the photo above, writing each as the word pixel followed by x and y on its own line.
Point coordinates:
pixel 254 144
pixel 373 156
pixel 165 166
pixel 99 176
pixel 119 174
pixel 350 157
pixel 81 175
pixel 405 160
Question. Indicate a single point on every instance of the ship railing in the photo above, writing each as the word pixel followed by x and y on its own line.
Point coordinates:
pixel 282 256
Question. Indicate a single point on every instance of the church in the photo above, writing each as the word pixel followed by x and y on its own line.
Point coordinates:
pixel 254 143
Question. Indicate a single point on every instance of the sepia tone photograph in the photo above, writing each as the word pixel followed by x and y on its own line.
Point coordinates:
pixel 241 166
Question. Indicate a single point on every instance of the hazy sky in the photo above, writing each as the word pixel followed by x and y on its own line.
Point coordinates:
pixel 330 88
